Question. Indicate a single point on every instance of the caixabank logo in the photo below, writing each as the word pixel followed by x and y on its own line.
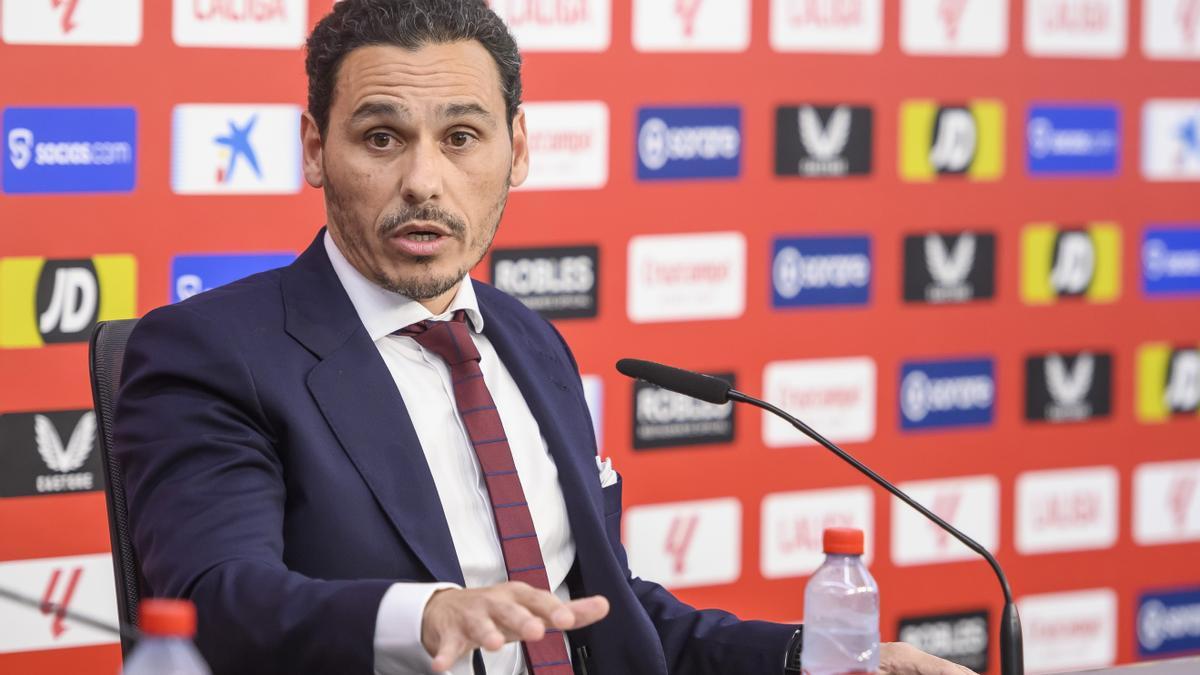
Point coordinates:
pixel 1060 263
pixel 947 393
pixel 682 143
pixel 1168 622
pixel 945 140
pixel 194 274
pixel 558 283
pixel 1068 387
pixel 54 301
pixel 823 141
pixel 663 419
pixel 961 637
pixel 949 267
pixel 69 150
pixel 235 149
pixel 1168 381
pixel 48 453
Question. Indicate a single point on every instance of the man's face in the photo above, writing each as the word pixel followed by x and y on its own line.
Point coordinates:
pixel 416 164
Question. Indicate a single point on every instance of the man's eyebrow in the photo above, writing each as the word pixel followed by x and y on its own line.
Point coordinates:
pixel 377 109
pixel 475 110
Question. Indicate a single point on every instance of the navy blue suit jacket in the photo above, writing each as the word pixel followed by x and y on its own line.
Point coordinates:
pixel 274 477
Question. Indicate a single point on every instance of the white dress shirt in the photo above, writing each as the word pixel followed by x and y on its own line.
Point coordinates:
pixel 424 383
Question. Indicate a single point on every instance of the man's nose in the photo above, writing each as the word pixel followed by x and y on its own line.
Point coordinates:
pixel 422 179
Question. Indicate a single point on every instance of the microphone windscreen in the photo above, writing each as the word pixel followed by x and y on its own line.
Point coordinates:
pixel 686 382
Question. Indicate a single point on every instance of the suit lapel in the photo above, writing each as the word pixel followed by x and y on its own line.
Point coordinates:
pixel 358 397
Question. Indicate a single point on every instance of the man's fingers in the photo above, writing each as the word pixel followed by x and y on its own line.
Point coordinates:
pixel 517 622
pixel 543 604
pixel 587 611
pixel 451 650
pixel 483 632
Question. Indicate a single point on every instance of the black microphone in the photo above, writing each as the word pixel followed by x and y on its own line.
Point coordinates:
pixel 714 390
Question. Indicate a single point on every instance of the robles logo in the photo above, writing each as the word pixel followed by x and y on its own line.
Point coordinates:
pixel 676 143
pixel 961 638
pixel 558 283
pixel 56 301
pixel 664 418
pixel 949 393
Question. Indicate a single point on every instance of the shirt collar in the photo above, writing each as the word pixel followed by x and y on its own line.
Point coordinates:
pixel 383 312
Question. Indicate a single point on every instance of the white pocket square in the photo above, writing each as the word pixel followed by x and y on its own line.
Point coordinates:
pixel 608 476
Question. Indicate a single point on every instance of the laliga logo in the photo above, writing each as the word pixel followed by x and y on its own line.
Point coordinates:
pixel 951 12
pixel 59 609
pixel 679 540
pixel 1179 497
pixel 20 147
pixel 1189 19
pixel 68 23
pixel 687 10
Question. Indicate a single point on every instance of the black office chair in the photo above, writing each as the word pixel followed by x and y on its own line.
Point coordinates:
pixel 106 356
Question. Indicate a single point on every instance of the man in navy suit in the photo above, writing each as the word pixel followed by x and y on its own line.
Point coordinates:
pixel 301 464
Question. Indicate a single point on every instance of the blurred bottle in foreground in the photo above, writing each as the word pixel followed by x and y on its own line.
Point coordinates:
pixel 166 647
pixel 841 610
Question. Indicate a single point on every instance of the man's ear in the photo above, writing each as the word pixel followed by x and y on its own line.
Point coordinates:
pixel 311 143
pixel 520 143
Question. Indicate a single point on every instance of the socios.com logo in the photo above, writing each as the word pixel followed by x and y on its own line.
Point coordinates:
pixel 817 271
pixel 55 301
pixel 1072 140
pixel 70 150
pixel 948 393
pixel 1171 261
pixel 193 274
pixel 677 143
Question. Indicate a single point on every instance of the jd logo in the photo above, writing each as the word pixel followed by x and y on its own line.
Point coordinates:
pixel 679 540
pixel 955 138
pixel 1074 263
pixel 949 268
pixel 1070 387
pixel 687 11
pixel 1183 381
pixel 825 142
pixel 57 605
pixel 68 300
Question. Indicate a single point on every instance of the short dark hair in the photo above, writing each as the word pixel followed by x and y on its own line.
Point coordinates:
pixel 411 24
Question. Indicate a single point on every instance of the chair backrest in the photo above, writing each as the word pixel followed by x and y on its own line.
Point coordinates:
pixel 106 356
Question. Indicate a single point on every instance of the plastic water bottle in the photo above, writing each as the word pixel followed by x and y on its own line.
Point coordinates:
pixel 166 648
pixel 841 610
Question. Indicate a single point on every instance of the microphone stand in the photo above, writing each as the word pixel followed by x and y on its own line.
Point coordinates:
pixel 1012 660
pixel 128 633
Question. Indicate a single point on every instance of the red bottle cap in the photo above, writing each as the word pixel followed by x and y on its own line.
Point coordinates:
pixel 843 540
pixel 165 617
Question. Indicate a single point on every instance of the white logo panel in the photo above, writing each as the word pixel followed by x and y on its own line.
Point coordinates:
pixel 793 524
pixel 1076 28
pixel 72 22
pixel 557 25
pixel 279 24
pixel 691 25
pixel 1067 510
pixel 1171 29
pixel 1166 502
pixel 78 584
pixel 972 504
pixel 954 27
pixel 848 26
pixel 568 145
pixel 687 276
pixel 1069 631
pixel 834 396
pixel 1171 139
pixel 235 149
pixel 685 543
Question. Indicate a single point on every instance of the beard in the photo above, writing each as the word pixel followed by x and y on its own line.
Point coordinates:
pixel 424 282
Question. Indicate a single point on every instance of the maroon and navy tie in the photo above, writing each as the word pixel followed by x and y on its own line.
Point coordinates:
pixel 451 340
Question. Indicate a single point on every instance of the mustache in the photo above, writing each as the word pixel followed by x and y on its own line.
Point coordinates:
pixel 426 212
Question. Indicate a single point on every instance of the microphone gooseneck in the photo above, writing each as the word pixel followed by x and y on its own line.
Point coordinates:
pixel 693 384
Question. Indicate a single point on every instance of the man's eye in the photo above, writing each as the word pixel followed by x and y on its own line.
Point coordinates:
pixel 460 139
pixel 379 140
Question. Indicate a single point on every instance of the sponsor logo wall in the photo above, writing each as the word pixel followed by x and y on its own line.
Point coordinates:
pixel 959 237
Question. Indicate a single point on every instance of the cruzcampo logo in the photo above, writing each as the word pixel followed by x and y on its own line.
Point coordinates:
pixel 1070 262
pixel 49 301
pixel 1168 381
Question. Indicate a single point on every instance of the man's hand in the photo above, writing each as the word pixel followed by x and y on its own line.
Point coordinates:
pixel 900 658
pixel 456 620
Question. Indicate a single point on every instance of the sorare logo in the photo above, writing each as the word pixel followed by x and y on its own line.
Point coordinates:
pixel 1072 140
pixel 949 267
pixel 193 274
pixel 47 453
pixel 558 283
pixel 70 150
pixel 235 149
pixel 946 140
pixel 1171 261
pixel 1168 622
pixel 820 271
pixel 56 301
pixel 689 143
pixel 1063 263
pixel 950 393
pixel 823 141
